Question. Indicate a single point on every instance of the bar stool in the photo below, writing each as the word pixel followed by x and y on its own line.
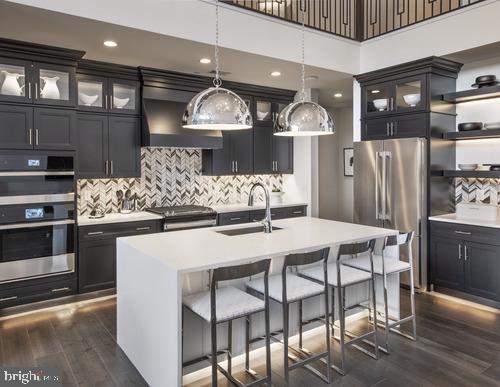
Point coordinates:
pixel 289 288
pixel 340 277
pixel 383 266
pixel 226 304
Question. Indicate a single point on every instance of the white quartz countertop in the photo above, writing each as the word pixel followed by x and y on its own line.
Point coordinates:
pixel 202 249
pixel 224 208
pixel 452 218
pixel 118 218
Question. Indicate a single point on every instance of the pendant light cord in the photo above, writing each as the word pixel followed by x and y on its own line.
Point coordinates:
pixel 303 57
pixel 217 81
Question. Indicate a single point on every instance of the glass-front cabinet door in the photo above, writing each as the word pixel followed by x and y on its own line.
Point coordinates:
pixel 92 94
pixel 410 94
pixel 15 80
pixel 264 113
pixel 377 99
pixel 124 96
pixel 54 85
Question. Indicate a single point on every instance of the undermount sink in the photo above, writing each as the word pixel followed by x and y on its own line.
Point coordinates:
pixel 246 230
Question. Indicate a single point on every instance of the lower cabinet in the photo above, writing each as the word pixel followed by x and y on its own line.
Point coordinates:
pixel 229 218
pixel 97 252
pixel 466 258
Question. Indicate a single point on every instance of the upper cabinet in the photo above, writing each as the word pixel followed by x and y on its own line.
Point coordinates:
pixel 405 100
pixel 38 83
pixel 266 111
pixel 108 88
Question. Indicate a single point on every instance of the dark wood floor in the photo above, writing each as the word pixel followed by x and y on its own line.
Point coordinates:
pixel 458 346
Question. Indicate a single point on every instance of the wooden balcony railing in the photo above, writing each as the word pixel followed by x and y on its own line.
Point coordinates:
pixel 354 19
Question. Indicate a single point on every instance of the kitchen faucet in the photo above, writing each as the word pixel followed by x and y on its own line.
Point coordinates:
pixel 268 228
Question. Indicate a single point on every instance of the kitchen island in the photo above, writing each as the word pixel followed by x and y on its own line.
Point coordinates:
pixel 154 271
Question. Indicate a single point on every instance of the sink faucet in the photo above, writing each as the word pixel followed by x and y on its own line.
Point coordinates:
pixel 268 228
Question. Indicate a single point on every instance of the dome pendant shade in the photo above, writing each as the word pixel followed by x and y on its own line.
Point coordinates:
pixel 217 108
pixel 304 118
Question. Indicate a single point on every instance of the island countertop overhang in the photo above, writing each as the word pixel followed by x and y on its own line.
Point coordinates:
pixel 202 249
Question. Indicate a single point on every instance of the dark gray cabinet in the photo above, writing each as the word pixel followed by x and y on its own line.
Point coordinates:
pixel 25 127
pixel 108 146
pixel 271 154
pixel 466 258
pixel 54 129
pixel 97 251
pixel 229 218
pixel 397 126
pixel 16 127
pixel 234 158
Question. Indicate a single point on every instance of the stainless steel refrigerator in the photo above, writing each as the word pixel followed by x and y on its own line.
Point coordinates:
pixel 390 179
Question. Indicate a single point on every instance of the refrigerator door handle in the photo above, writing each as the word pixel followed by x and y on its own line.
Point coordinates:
pixel 381 215
pixel 379 185
pixel 388 185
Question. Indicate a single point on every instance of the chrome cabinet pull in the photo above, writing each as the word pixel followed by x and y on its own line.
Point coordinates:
pixel 236 166
pixel 36 137
pixel 95 233
pixel 459 251
pixel 111 168
pixel 106 102
pixel 106 171
pixel 297 212
pixel 143 228
pixel 30 135
pixel 8 299
pixel 36 90
pixel 463 232
pixel 388 130
pixel 233 219
pixel 466 254
pixel 60 289
pixel 29 90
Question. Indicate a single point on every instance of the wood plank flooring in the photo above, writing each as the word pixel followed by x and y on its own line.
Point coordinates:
pixel 458 345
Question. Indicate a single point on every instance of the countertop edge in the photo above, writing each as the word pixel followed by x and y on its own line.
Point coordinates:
pixel 450 218
pixel 138 216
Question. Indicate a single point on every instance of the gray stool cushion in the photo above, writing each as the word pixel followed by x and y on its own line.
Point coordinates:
pixel 391 265
pixel 348 275
pixel 296 287
pixel 230 303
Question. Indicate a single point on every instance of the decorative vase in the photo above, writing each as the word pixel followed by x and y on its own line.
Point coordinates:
pixel 50 89
pixel 277 197
pixel 10 85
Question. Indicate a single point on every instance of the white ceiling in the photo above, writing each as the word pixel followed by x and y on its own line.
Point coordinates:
pixel 142 48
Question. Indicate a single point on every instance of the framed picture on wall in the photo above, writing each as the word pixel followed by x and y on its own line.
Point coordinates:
pixel 348 162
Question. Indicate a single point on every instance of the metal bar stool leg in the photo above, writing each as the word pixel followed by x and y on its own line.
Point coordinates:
pixel 229 346
pixel 213 328
pixel 247 343
pixel 386 306
pixel 342 326
pixel 300 324
pixel 268 344
pixel 412 301
pixel 285 343
pixel 374 306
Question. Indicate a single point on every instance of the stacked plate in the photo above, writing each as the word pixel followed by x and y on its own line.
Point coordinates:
pixel 492 125
pixel 485 81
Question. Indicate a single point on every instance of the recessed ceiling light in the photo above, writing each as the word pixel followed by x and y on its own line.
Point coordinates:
pixel 375 91
pixel 205 60
pixel 338 95
pixel 275 74
pixel 110 43
pixel 311 78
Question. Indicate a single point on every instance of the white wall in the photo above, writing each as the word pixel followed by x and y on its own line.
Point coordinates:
pixel 478 151
pixel 239 29
pixel 459 30
pixel 335 189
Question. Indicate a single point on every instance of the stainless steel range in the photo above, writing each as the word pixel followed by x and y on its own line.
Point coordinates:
pixel 185 217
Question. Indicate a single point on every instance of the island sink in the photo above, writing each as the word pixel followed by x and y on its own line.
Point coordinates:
pixel 244 231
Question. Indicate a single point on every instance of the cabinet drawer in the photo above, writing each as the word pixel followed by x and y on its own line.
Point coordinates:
pixel 276 213
pixel 233 218
pixel 32 293
pixel 116 230
pixel 466 232
pixel 294 212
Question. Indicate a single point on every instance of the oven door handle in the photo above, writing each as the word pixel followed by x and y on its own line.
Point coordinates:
pixel 36 224
pixel 186 225
pixel 37 173
pixel 31 199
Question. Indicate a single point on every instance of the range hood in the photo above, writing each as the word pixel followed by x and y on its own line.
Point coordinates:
pixel 163 110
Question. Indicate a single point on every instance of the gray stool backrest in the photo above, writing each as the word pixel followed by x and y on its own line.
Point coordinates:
pixel 301 259
pixel 404 238
pixel 353 249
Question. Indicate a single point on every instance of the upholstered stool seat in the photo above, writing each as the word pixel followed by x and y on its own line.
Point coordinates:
pixel 231 303
pixel 296 287
pixel 348 275
pixel 392 266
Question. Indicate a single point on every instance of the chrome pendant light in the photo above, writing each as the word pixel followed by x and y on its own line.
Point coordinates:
pixel 303 118
pixel 217 108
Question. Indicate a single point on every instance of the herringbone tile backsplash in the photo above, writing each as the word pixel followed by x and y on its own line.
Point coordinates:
pixel 170 176
pixel 477 191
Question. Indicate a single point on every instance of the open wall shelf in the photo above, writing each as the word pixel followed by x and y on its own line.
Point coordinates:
pixel 472 95
pixel 472 134
pixel 472 174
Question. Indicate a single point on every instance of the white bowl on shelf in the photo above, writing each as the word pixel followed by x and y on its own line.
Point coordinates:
pixel 412 99
pixel 120 103
pixel 380 104
pixel 467 167
pixel 262 115
pixel 87 100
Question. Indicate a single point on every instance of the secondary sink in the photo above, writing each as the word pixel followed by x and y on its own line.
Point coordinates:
pixel 246 230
